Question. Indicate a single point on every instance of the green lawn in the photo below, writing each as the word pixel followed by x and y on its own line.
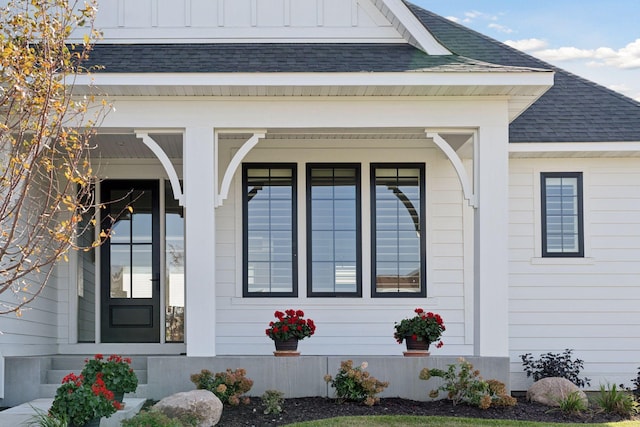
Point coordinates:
pixel 408 420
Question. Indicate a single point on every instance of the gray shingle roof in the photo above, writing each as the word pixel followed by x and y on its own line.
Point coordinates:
pixel 277 57
pixel 573 110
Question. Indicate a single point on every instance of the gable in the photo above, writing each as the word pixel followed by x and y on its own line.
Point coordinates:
pixel 573 110
pixel 263 21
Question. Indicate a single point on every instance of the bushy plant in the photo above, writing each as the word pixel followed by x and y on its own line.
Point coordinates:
pixel 229 386
pixel 463 384
pixel 152 419
pixel 573 403
pixel 356 384
pixel 613 400
pixel 79 401
pixel 272 400
pixel 290 324
pixel 555 365
pixel 423 326
pixel 116 371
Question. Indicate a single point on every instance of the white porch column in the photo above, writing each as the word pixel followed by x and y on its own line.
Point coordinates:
pixel 200 238
pixel 491 330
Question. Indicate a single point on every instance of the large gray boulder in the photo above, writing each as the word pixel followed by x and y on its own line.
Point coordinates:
pixel 550 391
pixel 199 404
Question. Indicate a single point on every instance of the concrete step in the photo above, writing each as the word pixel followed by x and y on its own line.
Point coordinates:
pixel 75 363
pixel 55 376
pixel 49 391
pixel 22 414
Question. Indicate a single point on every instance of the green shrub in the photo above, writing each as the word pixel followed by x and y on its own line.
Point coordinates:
pixel 573 403
pixel 613 400
pixel 152 419
pixel 229 386
pixel 464 384
pixel 555 365
pixel 356 384
pixel 273 400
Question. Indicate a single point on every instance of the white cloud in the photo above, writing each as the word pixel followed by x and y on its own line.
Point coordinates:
pixel 500 28
pixel 527 45
pixel 627 57
pixel 453 18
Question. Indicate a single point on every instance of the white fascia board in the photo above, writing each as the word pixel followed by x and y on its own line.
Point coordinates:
pixel 427 42
pixel 570 147
pixel 534 78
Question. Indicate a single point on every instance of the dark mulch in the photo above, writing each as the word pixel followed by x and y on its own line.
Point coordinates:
pixel 313 408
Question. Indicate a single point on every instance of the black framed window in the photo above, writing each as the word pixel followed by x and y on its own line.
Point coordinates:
pixel 398 230
pixel 562 215
pixel 333 230
pixel 269 230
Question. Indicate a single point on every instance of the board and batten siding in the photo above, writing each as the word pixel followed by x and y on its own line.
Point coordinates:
pixel 165 21
pixel 347 326
pixel 590 305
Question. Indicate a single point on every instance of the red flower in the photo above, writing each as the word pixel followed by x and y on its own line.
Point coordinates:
pixel 99 356
pixel 300 313
pixel 117 405
pixel 440 344
pixel 414 336
pixel 419 310
pixel 285 328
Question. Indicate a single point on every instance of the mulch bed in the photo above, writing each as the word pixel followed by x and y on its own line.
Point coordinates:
pixel 313 408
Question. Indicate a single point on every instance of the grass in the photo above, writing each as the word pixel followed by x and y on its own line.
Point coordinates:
pixel 409 420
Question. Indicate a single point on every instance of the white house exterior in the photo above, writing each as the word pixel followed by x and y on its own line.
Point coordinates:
pixel 372 157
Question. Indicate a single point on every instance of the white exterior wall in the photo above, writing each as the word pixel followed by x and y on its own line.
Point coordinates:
pixel 590 304
pixel 348 325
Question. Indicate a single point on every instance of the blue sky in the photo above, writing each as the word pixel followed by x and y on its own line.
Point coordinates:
pixel 598 40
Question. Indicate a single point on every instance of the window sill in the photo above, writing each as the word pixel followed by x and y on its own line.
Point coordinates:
pixel 562 261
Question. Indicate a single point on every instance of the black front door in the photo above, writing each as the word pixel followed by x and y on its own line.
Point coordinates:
pixel 130 262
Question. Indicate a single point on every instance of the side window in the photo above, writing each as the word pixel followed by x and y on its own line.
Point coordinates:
pixel 562 217
pixel 269 230
pixel 398 230
pixel 333 230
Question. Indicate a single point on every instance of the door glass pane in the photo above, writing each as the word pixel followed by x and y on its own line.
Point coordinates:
pixel 141 218
pixel 141 279
pixel 120 271
pixel 174 278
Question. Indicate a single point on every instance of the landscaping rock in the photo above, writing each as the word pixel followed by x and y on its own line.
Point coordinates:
pixel 196 404
pixel 550 391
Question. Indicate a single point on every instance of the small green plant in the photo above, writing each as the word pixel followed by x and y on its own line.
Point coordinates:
pixel 573 403
pixel 44 419
pixel 555 365
pixel 272 400
pixel 614 400
pixel 356 384
pixel 229 386
pixel 152 419
pixel 463 384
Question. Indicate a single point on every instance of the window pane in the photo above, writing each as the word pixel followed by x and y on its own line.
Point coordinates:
pixel 562 206
pixel 269 229
pixel 398 239
pixel 333 229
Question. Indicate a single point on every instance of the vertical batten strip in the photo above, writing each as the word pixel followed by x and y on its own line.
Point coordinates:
pixel 354 13
pixel 320 6
pixel 187 13
pixel 287 13
pixel 220 13
pixel 121 13
pixel 254 13
pixel 154 13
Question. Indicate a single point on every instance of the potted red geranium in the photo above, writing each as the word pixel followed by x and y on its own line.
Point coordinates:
pixel 420 330
pixel 289 328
